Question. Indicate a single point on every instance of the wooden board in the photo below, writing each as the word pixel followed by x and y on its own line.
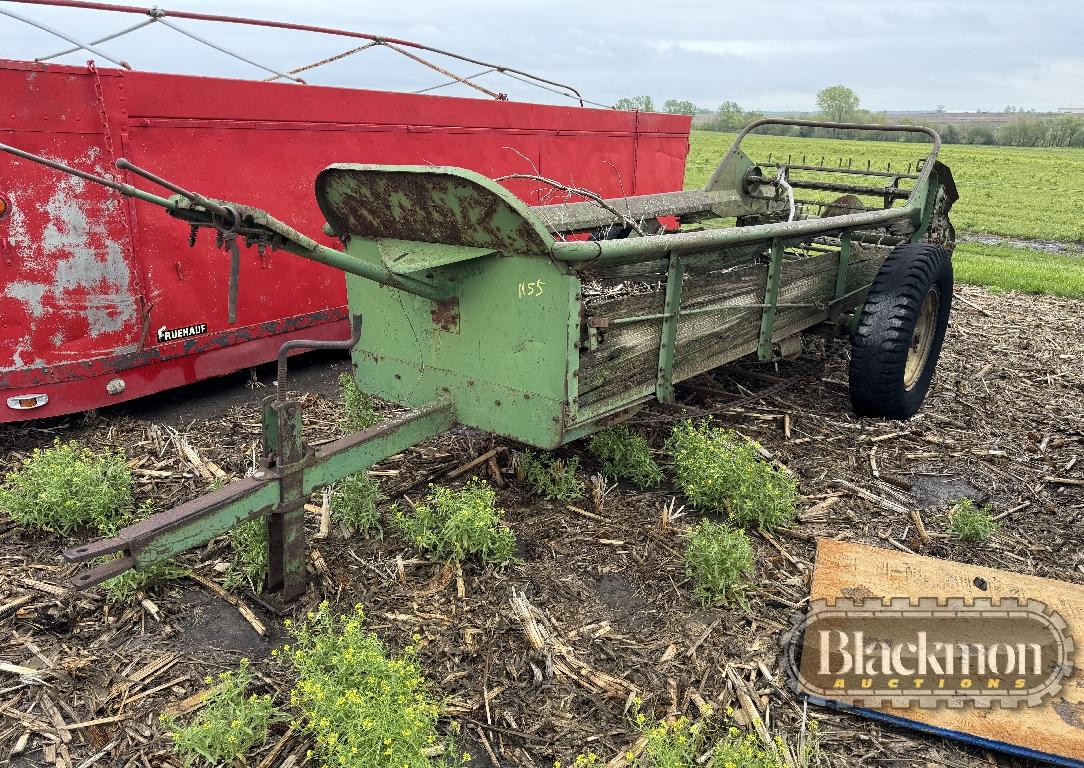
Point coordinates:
pixel 1056 729
pixel 626 363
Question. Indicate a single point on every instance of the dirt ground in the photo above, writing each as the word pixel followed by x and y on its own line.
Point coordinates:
pixel 1004 425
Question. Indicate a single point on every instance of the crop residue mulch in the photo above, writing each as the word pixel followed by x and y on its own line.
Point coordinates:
pixel 539 661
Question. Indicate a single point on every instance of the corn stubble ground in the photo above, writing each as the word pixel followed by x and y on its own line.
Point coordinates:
pixel 1003 415
pixel 1002 426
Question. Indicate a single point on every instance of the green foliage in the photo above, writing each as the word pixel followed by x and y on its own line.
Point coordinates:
pixel 1019 269
pixel 729 117
pixel 970 523
pixel 675 744
pixel 227 726
pixel 67 488
pixel 978 134
pixel 626 455
pixel 249 565
pixel 683 743
pixel 550 477
pixel 362 708
pixel 1065 131
pixel 676 107
pixel 453 524
pixel 741 749
pixel 121 589
pixel 636 103
pixel 718 469
pixel 837 102
pixel 358 411
pixel 354 503
pixel 718 558
pixel 1024 131
pixel 1003 190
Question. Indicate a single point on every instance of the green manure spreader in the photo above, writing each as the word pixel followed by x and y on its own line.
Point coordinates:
pixel 544 324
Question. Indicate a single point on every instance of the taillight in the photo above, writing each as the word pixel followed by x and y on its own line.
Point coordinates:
pixel 5 207
pixel 26 402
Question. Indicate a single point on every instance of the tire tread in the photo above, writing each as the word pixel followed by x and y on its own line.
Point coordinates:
pixel 880 343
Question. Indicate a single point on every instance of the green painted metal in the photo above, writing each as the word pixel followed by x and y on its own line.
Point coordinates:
pixel 509 359
pixel 169 533
pixel 856 319
pixel 361 450
pixel 430 204
pixel 709 239
pixel 933 195
pixel 409 257
pixel 771 300
pixel 675 275
pixel 215 514
pixel 844 264
pixel 260 226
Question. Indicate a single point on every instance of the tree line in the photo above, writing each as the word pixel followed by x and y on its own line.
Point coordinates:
pixel 840 104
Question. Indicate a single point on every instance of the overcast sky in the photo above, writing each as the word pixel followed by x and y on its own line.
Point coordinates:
pixel 764 54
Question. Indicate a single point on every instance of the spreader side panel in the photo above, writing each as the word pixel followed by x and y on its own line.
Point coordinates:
pixel 501 350
pixel 622 366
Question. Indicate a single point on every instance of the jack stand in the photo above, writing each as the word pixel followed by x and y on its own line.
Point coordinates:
pixel 284 454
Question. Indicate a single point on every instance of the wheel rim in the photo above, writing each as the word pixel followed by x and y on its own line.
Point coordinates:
pixel 922 339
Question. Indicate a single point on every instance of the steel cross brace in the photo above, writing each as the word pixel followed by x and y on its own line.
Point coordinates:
pixel 771 301
pixel 664 382
pixel 293 472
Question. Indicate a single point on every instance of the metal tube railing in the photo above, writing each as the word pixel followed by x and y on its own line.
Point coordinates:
pixel 657 245
pixel 159 13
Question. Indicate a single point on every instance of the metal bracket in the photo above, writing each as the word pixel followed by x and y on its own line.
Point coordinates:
pixel 844 264
pixel 664 384
pixel 285 349
pixel 771 302
pixel 235 278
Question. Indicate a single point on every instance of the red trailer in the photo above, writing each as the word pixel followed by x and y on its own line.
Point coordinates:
pixel 98 302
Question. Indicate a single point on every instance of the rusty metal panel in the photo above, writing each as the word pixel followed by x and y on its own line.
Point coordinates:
pixel 70 285
pixel 429 205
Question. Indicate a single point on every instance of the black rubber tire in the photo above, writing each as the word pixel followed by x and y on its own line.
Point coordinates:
pixel 886 330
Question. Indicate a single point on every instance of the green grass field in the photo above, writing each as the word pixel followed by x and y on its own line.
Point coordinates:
pixel 1019 269
pixel 1031 194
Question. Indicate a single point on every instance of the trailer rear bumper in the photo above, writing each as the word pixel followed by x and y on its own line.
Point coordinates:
pixel 100 382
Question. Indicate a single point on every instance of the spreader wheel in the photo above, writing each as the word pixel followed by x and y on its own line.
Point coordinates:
pixel 895 348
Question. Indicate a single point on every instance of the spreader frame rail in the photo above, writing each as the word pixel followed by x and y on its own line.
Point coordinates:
pixel 573 252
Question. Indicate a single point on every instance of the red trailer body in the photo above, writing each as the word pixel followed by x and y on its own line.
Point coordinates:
pixel 101 299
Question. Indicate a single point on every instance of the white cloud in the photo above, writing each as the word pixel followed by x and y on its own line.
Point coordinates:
pixel 966 54
pixel 749 48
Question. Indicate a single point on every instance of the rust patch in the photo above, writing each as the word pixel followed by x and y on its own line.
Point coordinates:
pixel 429 207
pixel 446 315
